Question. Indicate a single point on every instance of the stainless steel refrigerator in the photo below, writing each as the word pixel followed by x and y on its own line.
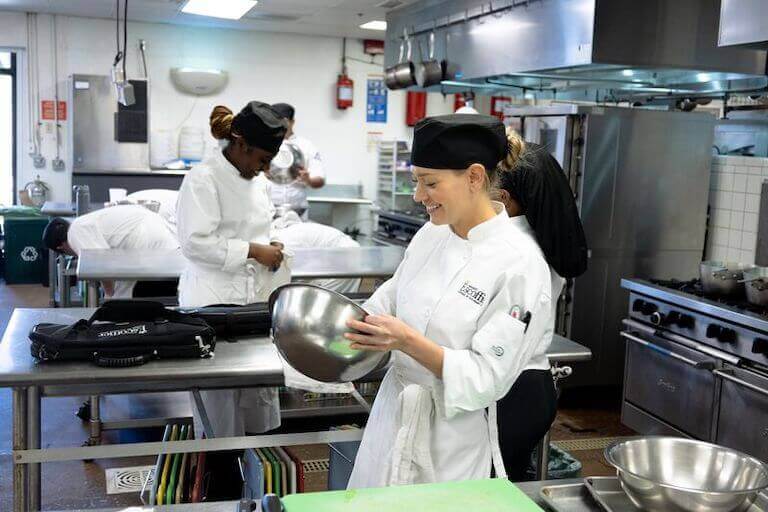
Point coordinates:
pixel 641 180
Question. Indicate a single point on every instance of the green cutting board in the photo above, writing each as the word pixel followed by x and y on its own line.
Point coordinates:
pixel 491 495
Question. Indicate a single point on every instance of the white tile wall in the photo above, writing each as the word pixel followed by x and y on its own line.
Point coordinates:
pixel 734 200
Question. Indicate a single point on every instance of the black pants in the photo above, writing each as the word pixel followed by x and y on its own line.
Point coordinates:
pixel 524 416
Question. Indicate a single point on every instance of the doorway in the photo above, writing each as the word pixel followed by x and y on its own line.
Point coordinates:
pixel 7 128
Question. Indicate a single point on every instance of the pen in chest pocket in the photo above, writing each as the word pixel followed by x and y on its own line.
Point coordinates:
pixel 524 316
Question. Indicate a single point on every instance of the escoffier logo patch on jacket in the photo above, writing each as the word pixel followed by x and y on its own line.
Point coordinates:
pixel 138 329
pixel 473 293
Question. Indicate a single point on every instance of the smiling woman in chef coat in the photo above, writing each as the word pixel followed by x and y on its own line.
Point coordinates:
pixel 462 315
pixel 540 203
pixel 224 219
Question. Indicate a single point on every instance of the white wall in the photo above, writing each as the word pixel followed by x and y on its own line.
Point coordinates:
pixel 734 200
pixel 270 67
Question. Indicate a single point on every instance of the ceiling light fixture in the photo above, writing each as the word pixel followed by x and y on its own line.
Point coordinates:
pixel 375 25
pixel 231 9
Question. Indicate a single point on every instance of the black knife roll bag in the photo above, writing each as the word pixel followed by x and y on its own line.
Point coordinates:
pixel 231 320
pixel 125 333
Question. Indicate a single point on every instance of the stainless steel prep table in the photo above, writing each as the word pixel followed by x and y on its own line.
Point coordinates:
pixel 320 263
pixel 248 363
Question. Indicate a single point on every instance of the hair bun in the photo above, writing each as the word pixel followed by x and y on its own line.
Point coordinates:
pixel 221 122
pixel 515 148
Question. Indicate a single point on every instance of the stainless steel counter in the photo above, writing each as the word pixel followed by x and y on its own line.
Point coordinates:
pixel 59 209
pixel 322 263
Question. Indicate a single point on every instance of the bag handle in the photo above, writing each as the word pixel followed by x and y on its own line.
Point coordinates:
pixel 127 310
pixel 121 362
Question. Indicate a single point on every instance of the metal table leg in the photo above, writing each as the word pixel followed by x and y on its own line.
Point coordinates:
pixel 92 295
pixel 20 471
pixel 33 442
pixel 542 450
pixel 95 421
pixel 53 278
pixel 63 282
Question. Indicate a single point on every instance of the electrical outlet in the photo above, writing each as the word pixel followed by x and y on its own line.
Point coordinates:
pixel 57 164
pixel 38 160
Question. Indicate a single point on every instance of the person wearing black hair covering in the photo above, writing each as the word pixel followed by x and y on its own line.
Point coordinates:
pixel 463 316
pixel 224 216
pixel 540 202
pixel 312 175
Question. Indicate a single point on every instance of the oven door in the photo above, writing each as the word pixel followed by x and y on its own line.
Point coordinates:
pixel 743 420
pixel 672 383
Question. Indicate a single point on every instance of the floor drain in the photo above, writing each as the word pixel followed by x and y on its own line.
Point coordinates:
pixel 125 480
pixel 315 466
pixel 595 443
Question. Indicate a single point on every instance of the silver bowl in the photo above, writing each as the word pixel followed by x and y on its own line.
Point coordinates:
pixel 670 474
pixel 308 326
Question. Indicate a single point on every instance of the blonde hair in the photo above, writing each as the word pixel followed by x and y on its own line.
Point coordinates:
pixel 221 122
pixel 515 150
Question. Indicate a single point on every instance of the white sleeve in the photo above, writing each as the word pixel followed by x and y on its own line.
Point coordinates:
pixel 501 347
pixel 314 161
pixel 84 233
pixel 198 217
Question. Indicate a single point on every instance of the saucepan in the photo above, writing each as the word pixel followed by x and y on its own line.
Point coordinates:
pixel 430 72
pixel 390 79
pixel 756 282
pixel 723 277
pixel 405 71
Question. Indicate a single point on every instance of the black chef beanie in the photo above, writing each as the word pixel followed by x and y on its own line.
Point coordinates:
pixel 55 233
pixel 285 110
pixel 457 141
pixel 539 185
pixel 260 126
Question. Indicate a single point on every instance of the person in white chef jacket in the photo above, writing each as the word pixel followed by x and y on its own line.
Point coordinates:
pixel 463 316
pixel 296 234
pixel 232 256
pixel 116 227
pixel 312 175
pixel 540 203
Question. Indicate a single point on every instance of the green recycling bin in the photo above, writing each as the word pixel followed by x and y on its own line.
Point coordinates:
pixel 26 260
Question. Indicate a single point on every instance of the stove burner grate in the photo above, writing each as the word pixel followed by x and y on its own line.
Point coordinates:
pixel 693 287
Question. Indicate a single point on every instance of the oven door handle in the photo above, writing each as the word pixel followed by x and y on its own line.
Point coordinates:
pixel 703 365
pixel 736 380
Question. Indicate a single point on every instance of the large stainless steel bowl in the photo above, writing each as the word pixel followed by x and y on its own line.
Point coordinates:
pixel 670 474
pixel 308 326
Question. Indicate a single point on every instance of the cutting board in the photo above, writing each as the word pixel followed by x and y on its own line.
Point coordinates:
pixel 491 495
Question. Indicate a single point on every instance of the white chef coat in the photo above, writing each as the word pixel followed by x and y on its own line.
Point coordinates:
pixel 539 361
pixel 465 295
pixel 120 227
pixel 218 214
pixel 166 198
pixel 310 235
pixel 295 193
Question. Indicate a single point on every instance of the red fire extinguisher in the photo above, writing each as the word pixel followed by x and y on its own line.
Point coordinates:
pixel 415 107
pixel 344 91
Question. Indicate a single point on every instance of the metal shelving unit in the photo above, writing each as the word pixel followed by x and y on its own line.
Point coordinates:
pixel 394 186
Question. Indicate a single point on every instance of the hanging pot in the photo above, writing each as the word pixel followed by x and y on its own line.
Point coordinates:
pixel 389 74
pixel 405 72
pixel 449 68
pixel 430 72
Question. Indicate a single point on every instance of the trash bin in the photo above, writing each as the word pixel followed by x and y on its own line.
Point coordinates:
pixel 26 260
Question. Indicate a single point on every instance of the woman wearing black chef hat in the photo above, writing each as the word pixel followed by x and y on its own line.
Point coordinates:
pixel 224 216
pixel 463 315
pixel 540 202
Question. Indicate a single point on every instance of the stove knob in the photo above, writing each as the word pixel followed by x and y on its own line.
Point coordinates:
pixel 679 319
pixel 727 336
pixel 760 346
pixel 713 331
pixel 658 319
pixel 648 308
pixel 638 305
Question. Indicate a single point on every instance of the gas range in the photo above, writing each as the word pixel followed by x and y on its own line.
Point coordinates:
pixel 731 325
pixel 398 226
pixel 695 365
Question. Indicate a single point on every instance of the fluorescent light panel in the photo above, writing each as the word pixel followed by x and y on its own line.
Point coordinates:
pixel 227 9
pixel 375 25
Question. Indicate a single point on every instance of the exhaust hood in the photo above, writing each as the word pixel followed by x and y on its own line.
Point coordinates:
pixel 744 22
pixel 568 46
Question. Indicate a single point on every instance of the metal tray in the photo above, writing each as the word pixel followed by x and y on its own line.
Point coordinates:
pixel 569 498
pixel 608 494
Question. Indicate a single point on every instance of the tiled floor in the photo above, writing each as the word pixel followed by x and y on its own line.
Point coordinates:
pixel 585 418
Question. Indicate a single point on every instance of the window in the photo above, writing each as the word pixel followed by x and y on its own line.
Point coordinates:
pixel 7 127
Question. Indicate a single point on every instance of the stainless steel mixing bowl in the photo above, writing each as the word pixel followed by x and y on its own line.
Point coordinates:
pixel 670 474
pixel 308 326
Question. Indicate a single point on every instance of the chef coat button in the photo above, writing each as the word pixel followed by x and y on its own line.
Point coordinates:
pixel 426 313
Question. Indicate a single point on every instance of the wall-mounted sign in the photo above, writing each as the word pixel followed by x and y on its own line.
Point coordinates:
pixel 376 106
